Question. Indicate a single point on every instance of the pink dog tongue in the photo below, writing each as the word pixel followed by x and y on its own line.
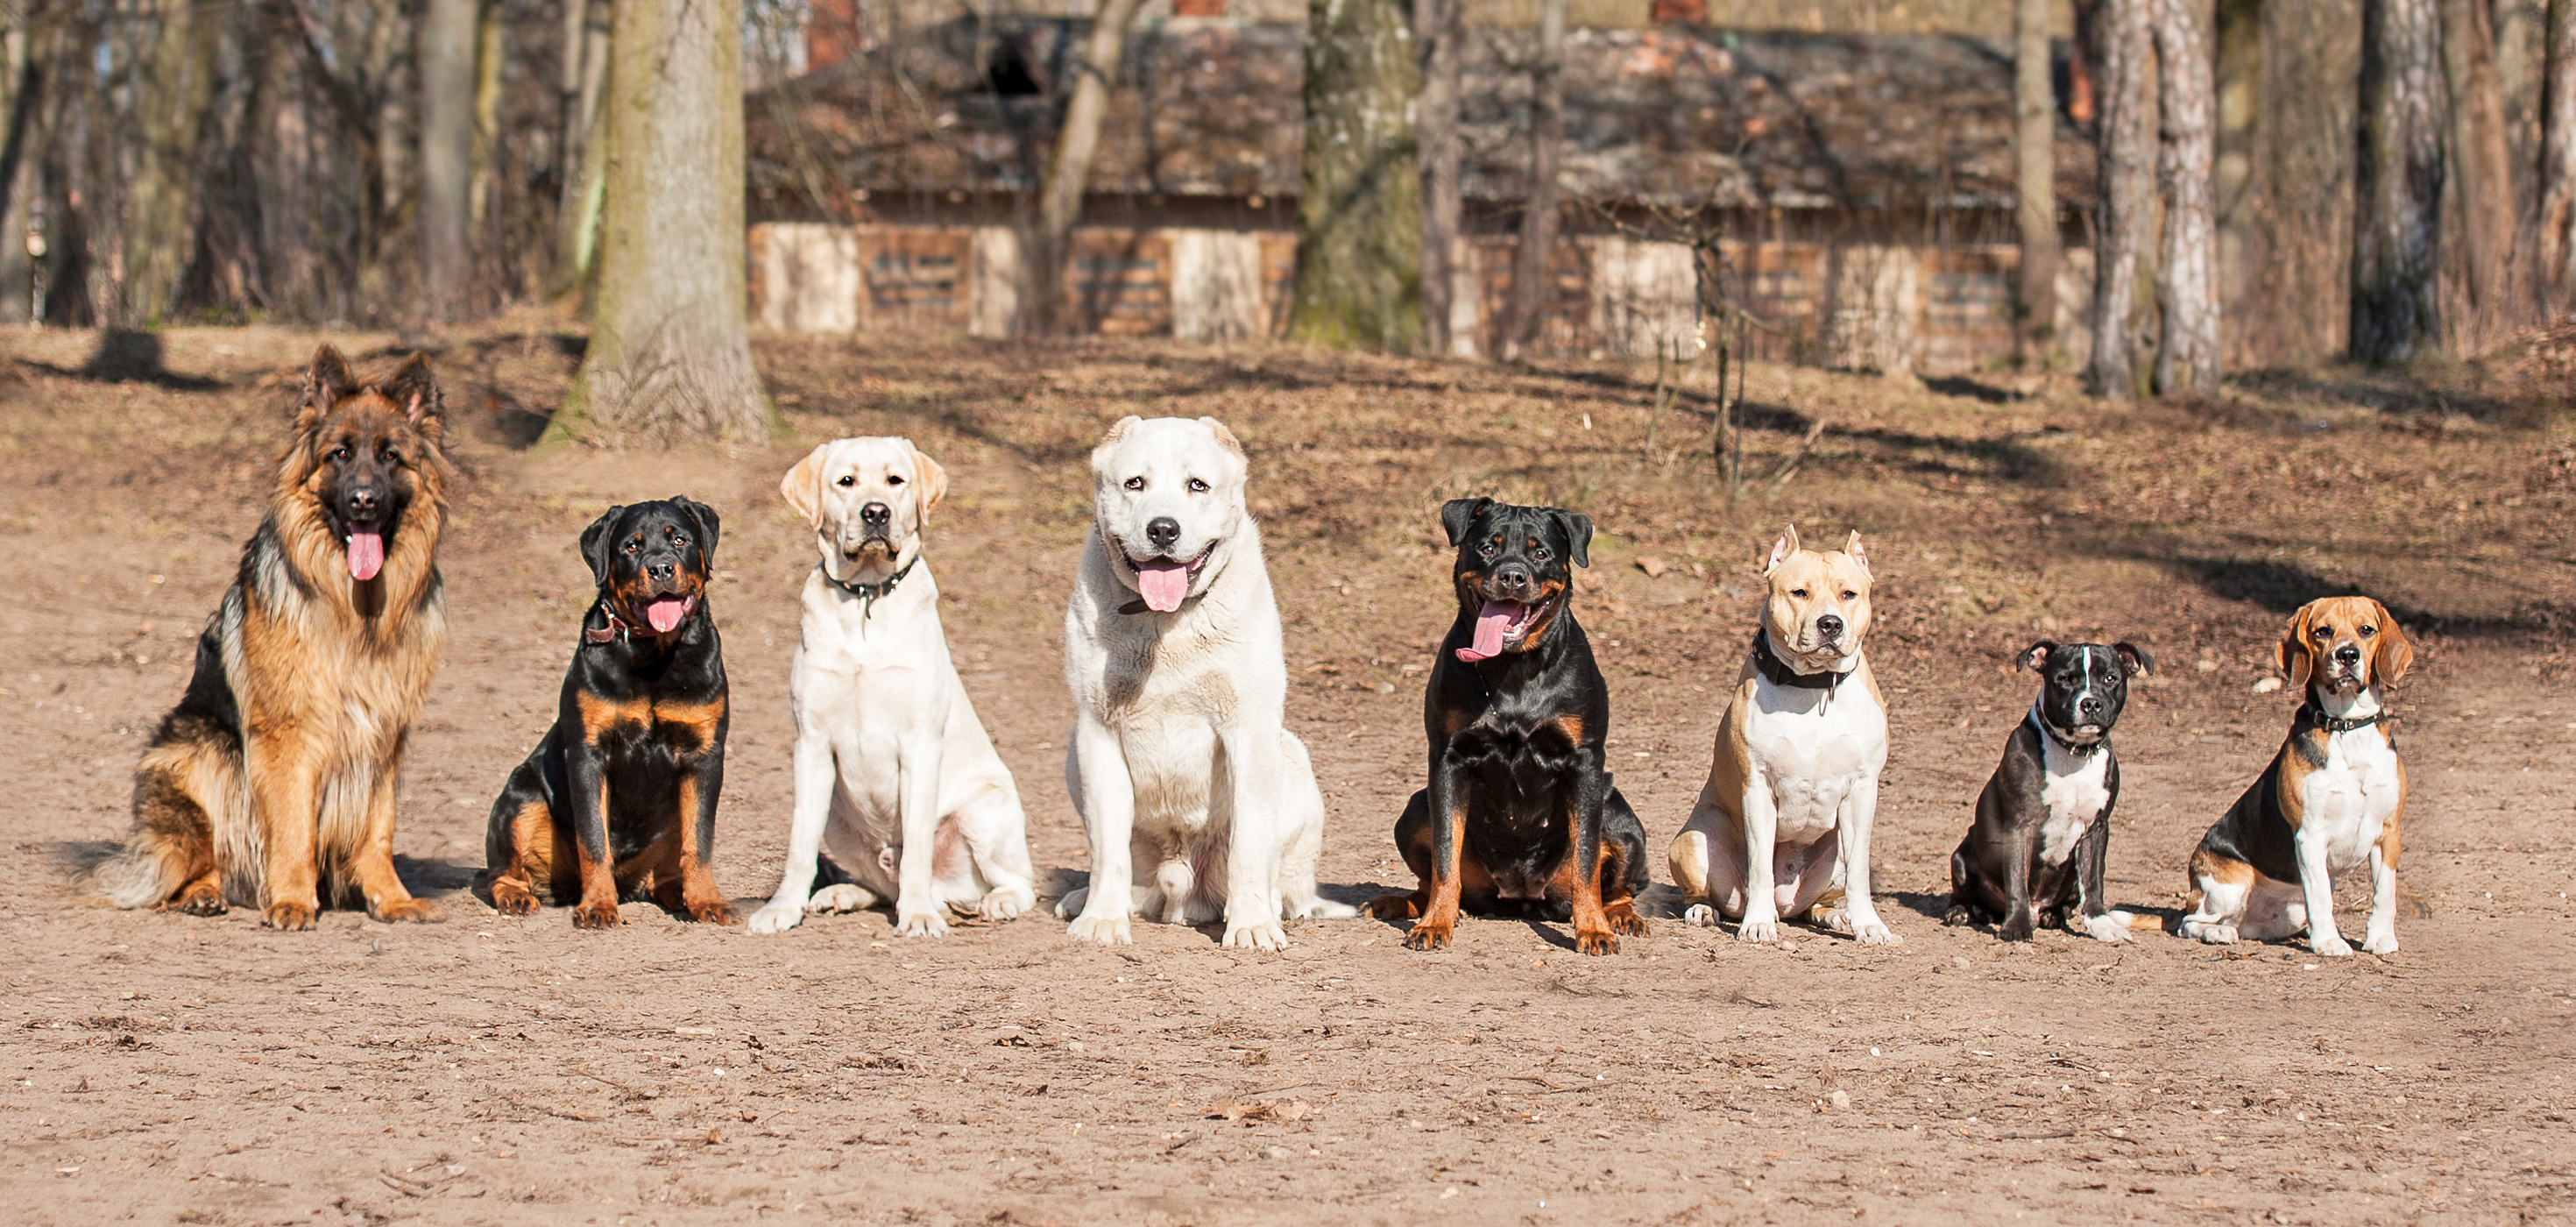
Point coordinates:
pixel 366 555
pixel 665 614
pixel 1163 584
pixel 1492 623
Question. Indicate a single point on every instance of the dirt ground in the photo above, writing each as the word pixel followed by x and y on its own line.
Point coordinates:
pixel 164 1068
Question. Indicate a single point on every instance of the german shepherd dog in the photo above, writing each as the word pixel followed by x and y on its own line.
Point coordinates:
pixel 620 798
pixel 274 776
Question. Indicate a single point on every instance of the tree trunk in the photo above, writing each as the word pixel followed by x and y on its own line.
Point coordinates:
pixel 2187 274
pixel 1538 224
pixel 2485 167
pixel 2558 165
pixel 2397 183
pixel 490 45
pixel 2035 166
pixel 585 80
pixel 2125 99
pixel 446 155
pixel 21 58
pixel 1069 167
pixel 670 353
pixel 1359 218
pixel 1438 29
pixel 173 98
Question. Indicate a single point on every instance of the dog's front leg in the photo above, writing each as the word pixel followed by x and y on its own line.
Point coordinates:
pixel 1108 800
pixel 2096 919
pixel 817 774
pixel 1448 810
pixel 2020 916
pixel 1761 811
pixel 1255 780
pixel 586 789
pixel 2316 890
pixel 697 894
pixel 2381 936
pixel 916 901
pixel 286 811
pixel 1592 933
pixel 1854 820
pixel 373 865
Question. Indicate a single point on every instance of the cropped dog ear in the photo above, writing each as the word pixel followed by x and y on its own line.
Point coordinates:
pixel 2391 654
pixel 708 525
pixel 2133 659
pixel 595 543
pixel 2295 656
pixel 803 486
pixel 1225 438
pixel 933 480
pixel 1459 514
pixel 1858 552
pixel 415 389
pixel 325 382
pixel 2035 657
pixel 1117 431
pixel 1781 549
pixel 1578 535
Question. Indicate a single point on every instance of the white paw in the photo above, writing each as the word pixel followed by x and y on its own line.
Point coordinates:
pixel 920 924
pixel 1005 903
pixel 2331 947
pixel 1071 905
pixel 2105 929
pixel 1874 932
pixel 1758 930
pixel 1326 909
pixel 777 917
pixel 1700 914
pixel 2381 943
pixel 1258 934
pixel 2214 934
pixel 1110 930
pixel 835 900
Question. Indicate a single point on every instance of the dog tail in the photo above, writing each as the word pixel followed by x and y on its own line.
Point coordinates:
pixel 143 872
pixel 2131 920
pixel 173 835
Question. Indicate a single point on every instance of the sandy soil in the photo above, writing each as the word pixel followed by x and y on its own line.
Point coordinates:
pixel 162 1068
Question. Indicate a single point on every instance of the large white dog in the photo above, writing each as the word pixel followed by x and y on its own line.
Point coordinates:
pixel 895 778
pixel 1199 803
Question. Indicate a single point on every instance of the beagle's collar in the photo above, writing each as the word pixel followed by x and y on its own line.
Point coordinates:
pixel 2079 751
pixel 2310 714
pixel 870 594
pixel 1779 672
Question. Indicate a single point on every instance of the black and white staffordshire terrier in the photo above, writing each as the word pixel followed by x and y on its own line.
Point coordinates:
pixel 2043 824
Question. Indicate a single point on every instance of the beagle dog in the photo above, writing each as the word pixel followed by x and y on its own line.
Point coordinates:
pixel 2329 801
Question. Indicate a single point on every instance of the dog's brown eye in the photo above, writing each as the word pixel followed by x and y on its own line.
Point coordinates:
pixel 1197 486
pixel 1849 595
pixel 1799 593
pixel 2368 631
pixel 340 453
pixel 2323 632
pixel 391 456
pixel 1135 483
pixel 894 479
pixel 848 479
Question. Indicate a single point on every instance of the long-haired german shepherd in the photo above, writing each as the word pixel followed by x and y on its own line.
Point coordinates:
pixel 274 776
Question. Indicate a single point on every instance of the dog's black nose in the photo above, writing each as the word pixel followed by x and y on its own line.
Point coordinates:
pixel 661 570
pixel 1830 627
pixel 1510 580
pixel 364 502
pixel 876 515
pixel 1162 531
pixel 2089 705
pixel 2347 654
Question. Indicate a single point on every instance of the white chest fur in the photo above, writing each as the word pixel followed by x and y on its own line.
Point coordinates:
pixel 2347 800
pixel 2075 791
pixel 1812 747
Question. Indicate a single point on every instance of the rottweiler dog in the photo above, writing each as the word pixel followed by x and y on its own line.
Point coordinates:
pixel 619 800
pixel 1516 711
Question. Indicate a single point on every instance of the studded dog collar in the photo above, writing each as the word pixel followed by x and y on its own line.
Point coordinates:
pixel 1779 672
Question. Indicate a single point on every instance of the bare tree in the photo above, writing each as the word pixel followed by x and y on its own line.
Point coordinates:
pixel 173 94
pixel 446 154
pixel 2187 273
pixel 1069 167
pixel 2484 165
pixel 2397 182
pixel 23 52
pixel 1359 216
pixel 2558 164
pixel 1438 31
pixel 1538 222
pixel 670 350
pixel 2035 166
pixel 2126 102
pixel 582 172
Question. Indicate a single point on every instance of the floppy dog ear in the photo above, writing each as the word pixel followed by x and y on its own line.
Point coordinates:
pixel 708 526
pixel 1117 431
pixel 415 390
pixel 2294 656
pixel 2390 656
pixel 1858 552
pixel 325 381
pixel 2035 657
pixel 595 543
pixel 933 479
pixel 1578 535
pixel 2133 659
pixel 803 486
pixel 1459 514
pixel 1781 549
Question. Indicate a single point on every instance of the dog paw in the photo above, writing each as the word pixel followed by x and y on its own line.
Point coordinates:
pixel 1393 907
pixel 776 918
pixel 599 914
pixel 2331 947
pixel 1428 936
pixel 2215 935
pixel 513 901
pixel 1257 935
pixel 2381 943
pixel 1006 903
pixel 1956 916
pixel 1701 915
pixel 835 900
pixel 290 916
pixel 1601 942
pixel 197 900
pixel 920 924
pixel 711 912
pixel 1874 932
pixel 414 911
pixel 1758 931
pixel 1325 909
pixel 1107 930
pixel 2105 929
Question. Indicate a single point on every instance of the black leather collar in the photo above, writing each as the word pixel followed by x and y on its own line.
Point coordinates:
pixel 870 594
pixel 2310 713
pixel 1780 674
pixel 2079 751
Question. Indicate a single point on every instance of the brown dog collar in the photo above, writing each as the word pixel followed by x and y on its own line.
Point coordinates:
pixel 1780 674
pixel 611 633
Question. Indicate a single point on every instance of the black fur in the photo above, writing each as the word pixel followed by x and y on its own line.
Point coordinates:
pixel 1997 875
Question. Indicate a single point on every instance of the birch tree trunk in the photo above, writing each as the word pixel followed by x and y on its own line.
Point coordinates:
pixel 2187 273
pixel 670 352
pixel 1069 167
pixel 2035 166
pixel 174 96
pixel 1438 29
pixel 446 78
pixel 2558 164
pixel 2397 183
pixel 2125 98
pixel 2485 166
pixel 1538 223
pixel 1359 218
